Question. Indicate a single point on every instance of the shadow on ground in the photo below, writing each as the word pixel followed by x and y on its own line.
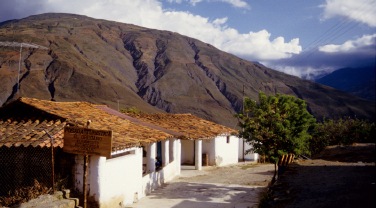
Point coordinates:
pixel 342 177
pixel 199 195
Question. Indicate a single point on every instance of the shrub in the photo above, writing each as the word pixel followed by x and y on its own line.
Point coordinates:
pixel 342 132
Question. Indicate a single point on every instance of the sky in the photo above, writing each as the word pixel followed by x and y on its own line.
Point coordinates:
pixel 303 38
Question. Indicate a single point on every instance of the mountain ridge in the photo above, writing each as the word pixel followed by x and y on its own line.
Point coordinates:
pixel 126 65
pixel 357 81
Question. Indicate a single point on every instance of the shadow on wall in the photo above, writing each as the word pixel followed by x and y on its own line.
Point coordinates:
pixel 155 180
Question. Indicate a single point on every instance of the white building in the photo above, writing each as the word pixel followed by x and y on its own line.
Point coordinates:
pixel 128 174
pixel 120 180
pixel 202 142
pixel 244 151
pixel 166 151
pixel 147 150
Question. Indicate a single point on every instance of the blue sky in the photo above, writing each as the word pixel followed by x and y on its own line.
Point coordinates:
pixel 304 38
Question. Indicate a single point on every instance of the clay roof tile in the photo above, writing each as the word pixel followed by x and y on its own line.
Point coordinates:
pixel 192 127
pixel 125 133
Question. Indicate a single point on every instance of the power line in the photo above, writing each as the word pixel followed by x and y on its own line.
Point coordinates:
pixel 25 45
pixel 345 24
pixel 334 32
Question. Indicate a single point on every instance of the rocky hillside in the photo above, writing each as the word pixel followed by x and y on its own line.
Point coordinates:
pixel 124 65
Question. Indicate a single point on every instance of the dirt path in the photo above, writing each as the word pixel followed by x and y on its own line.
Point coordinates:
pixel 231 186
pixel 339 177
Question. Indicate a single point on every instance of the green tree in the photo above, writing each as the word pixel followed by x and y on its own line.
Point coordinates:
pixel 131 110
pixel 276 125
pixel 344 131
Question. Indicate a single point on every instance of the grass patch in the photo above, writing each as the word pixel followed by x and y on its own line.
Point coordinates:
pixel 250 165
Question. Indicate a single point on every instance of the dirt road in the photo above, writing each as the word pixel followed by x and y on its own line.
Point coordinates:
pixel 341 176
pixel 231 186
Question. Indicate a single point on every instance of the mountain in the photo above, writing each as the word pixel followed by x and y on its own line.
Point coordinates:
pixel 124 65
pixel 357 81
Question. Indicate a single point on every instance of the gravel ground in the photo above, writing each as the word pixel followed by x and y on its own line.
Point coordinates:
pixel 237 186
pixel 341 176
pixel 250 174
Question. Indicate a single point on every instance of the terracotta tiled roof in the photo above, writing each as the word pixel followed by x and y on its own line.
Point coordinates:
pixel 125 133
pixel 139 121
pixel 192 127
pixel 31 133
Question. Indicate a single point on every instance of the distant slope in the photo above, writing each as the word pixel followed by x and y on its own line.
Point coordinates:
pixel 126 65
pixel 357 81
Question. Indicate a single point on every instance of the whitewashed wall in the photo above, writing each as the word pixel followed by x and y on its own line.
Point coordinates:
pixel 187 152
pixel 220 152
pixel 243 147
pixel 226 153
pixel 153 180
pixel 114 182
pixel 208 147
pixel 122 179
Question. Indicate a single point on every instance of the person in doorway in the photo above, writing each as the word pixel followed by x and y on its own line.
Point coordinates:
pixel 158 163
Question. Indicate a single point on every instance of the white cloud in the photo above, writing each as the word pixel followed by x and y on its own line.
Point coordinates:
pixel 220 21
pixel 256 46
pixel 237 3
pixel 175 1
pixel 304 72
pixel 234 3
pixel 363 11
pixel 194 2
pixel 362 44
pixel 360 52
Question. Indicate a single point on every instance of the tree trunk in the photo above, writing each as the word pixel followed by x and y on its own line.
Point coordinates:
pixel 275 174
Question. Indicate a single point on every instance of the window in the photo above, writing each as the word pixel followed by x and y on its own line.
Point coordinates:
pixel 228 139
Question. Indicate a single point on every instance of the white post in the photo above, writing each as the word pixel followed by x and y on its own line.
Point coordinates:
pixel 178 154
pixel 152 153
pixel 198 154
pixel 165 152
pixel 97 172
pixel 172 150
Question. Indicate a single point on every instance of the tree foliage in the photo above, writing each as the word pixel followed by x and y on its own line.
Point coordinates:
pixel 344 131
pixel 131 110
pixel 276 125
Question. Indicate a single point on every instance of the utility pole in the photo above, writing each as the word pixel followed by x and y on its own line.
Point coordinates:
pixel 25 45
pixel 19 70
pixel 243 128
pixel 243 100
